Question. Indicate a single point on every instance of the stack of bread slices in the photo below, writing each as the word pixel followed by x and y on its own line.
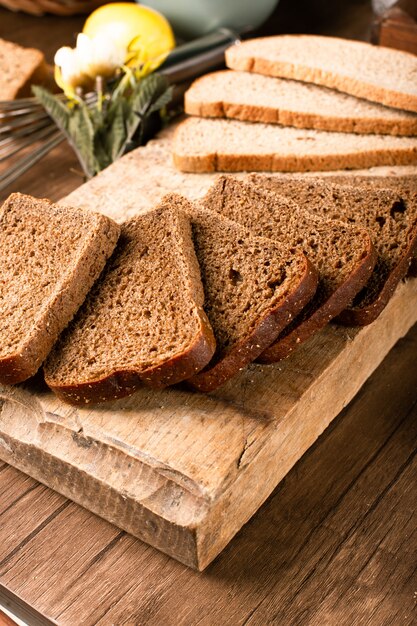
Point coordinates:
pixel 193 292
pixel 301 103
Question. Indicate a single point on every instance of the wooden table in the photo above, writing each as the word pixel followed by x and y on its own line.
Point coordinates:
pixel 334 544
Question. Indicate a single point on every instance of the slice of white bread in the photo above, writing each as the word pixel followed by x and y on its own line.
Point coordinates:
pixel 256 98
pixel 208 145
pixel 20 68
pixel 50 257
pixel 372 72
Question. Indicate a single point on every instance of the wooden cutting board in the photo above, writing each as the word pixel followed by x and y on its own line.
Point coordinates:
pixel 180 470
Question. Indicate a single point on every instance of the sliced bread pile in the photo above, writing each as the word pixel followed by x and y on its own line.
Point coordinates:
pixel 342 253
pixel 388 216
pixel 192 292
pixel 186 289
pixel 301 103
pixel 178 294
pixel 144 320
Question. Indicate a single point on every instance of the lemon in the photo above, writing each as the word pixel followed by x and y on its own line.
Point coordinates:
pixel 129 24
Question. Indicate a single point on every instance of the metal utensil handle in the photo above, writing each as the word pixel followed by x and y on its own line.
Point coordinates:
pixel 196 57
pixel 26 163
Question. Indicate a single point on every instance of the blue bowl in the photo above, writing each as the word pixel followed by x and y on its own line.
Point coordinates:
pixel 195 18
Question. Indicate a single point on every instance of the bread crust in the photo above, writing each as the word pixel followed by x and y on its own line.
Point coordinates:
pixel 336 303
pixel 263 335
pixel 299 119
pixel 362 316
pixel 358 87
pixel 122 383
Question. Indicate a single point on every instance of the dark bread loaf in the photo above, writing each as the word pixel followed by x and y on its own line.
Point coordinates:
pixel 143 322
pixel 253 288
pixel 391 222
pixel 343 254
pixel 50 257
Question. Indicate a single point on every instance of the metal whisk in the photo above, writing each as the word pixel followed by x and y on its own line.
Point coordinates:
pixel 27 133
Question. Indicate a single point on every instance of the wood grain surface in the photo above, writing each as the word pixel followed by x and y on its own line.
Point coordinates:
pixel 180 470
pixel 334 544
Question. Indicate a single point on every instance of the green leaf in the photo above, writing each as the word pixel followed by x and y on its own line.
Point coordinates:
pixel 147 92
pixel 150 94
pixel 81 131
pixel 164 99
pixel 100 132
pixel 53 106
pixel 118 131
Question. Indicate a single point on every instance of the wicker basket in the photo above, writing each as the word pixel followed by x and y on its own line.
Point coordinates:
pixel 56 7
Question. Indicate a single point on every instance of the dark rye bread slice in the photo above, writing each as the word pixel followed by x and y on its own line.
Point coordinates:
pixel 143 322
pixel 253 288
pixel 50 257
pixel 405 186
pixel 343 254
pixel 256 98
pixel 391 223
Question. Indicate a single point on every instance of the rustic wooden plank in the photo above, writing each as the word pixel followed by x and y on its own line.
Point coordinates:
pixel 191 469
pixel 70 553
pixel 337 492
pixel 20 495
pixel 355 546
pixel 13 486
pixel 333 493
pixel 246 437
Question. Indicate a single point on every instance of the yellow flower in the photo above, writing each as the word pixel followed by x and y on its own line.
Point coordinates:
pixel 68 72
pixel 99 56
pixel 92 57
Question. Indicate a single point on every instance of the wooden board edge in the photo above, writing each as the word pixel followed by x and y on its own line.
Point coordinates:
pixel 242 499
pixel 100 498
pixel 196 544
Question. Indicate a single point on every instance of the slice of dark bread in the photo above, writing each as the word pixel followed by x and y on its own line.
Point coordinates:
pixel 402 184
pixel 343 254
pixel 405 186
pixel 50 257
pixel 253 288
pixel 391 222
pixel 143 322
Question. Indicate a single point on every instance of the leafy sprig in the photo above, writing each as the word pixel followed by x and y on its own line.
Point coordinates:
pixel 100 127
